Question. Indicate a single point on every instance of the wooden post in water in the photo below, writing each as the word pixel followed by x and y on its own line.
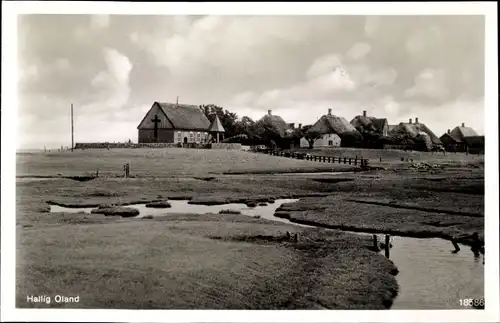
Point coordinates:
pixel 455 245
pixel 375 242
pixel 387 245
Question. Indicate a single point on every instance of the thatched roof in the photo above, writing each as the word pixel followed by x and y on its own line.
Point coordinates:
pixel 274 123
pixel 460 133
pixel 332 124
pixel 412 130
pixel 216 125
pixel 392 127
pixel 447 139
pixel 369 124
pixel 182 116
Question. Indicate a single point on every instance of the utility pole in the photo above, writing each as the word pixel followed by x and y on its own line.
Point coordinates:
pixel 177 100
pixel 72 128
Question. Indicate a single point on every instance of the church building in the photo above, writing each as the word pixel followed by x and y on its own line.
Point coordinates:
pixel 174 123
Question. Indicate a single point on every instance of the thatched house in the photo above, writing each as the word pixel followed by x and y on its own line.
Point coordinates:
pixel 413 136
pixel 475 144
pixel 374 130
pixel 273 128
pixel 372 125
pixel 329 128
pixel 456 139
pixel 173 123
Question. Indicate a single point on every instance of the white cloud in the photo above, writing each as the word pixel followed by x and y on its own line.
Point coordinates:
pixel 99 21
pixel 112 82
pixel 371 25
pixel 429 83
pixel 323 65
pixel 359 50
pixel 27 74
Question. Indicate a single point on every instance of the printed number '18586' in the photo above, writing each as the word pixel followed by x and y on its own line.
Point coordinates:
pixel 469 302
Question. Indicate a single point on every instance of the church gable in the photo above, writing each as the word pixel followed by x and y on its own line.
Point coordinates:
pixel 148 121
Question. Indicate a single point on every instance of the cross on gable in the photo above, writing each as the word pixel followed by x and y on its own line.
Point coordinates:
pixel 156 120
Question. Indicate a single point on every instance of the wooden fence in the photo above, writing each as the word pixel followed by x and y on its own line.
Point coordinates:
pixel 324 159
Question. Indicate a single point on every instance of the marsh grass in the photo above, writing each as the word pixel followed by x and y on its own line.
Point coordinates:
pixel 174 264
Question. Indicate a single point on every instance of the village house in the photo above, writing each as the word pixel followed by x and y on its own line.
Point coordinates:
pixel 331 131
pixel 413 136
pixel 365 124
pixel 463 139
pixel 273 127
pixel 177 123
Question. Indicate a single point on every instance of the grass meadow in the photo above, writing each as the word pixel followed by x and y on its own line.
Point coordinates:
pixel 228 261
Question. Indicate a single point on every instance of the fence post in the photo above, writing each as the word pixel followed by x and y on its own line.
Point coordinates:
pixel 329 159
pixel 345 160
pixel 387 245
pixel 375 242
pixel 356 161
pixel 349 161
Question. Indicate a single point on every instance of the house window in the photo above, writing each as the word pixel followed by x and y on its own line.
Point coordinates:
pixel 198 136
pixel 191 136
pixel 179 136
pixel 330 143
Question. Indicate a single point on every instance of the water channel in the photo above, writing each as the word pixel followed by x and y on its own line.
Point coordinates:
pixel 430 275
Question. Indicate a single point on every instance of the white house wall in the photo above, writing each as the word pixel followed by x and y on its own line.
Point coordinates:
pixel 192 136
pixel 326 140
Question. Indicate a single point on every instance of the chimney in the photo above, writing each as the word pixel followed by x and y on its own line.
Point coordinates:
pixel 269 112
pixel 329 112
pixel 463 124
pixel 449 131
pixel 364 113
pixel 300 125
pixel 292 125
pixel 409 121
pixel 416 120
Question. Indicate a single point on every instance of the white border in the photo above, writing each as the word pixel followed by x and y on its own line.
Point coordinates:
pixel 10 10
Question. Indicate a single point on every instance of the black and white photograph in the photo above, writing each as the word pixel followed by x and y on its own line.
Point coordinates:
pixel 206 159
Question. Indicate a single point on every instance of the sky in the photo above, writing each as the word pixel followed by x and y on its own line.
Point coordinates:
pixel 113 67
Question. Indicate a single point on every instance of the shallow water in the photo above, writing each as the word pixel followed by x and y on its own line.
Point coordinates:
pixel 182 206
pixel 34 179
pixel 430 275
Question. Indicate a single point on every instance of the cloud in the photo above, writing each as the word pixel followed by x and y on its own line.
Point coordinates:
pixel 114 81
pixel 113 67
pixel 323 65
pixel 359 50
pixel 371 25
pixel 98 22
pixel 430 83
